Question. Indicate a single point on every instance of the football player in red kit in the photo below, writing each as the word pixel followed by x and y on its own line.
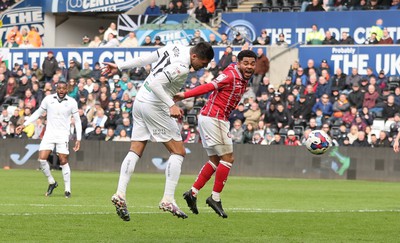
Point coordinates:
pixel 228 89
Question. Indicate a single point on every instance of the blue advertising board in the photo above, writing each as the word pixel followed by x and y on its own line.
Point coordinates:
pixel 295 25
pixel 63 6
pixel 379 58
pixel 90 55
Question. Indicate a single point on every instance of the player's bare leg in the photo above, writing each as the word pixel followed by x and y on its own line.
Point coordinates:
pixel 172 174
pixel 127 169
pixel 66 172
pixel 45 168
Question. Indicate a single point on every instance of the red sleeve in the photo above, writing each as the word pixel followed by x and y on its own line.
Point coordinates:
pixel 200 90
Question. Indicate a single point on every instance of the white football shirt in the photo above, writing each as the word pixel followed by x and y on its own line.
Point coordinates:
pixel 59 114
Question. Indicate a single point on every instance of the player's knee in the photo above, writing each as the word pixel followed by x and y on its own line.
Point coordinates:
pixel 228 158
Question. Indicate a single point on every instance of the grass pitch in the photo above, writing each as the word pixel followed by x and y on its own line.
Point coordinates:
pixel 259 209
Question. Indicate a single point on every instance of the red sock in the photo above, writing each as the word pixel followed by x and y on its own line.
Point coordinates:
pixel 221 176
pixel 205 174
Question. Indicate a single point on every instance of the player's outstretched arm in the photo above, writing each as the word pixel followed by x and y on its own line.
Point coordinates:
pixel 199 90
pixel 396 148
pixel 109 69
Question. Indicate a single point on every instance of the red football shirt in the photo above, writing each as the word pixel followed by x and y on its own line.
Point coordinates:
pixel 229 89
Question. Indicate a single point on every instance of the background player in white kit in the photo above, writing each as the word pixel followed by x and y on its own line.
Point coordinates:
pixel 59 108
pixel 228 89
pixel 154 114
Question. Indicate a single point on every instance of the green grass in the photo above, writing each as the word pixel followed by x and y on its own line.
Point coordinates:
pixel 259 209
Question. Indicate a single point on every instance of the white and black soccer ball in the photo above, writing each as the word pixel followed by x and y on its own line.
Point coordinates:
pixel 318 142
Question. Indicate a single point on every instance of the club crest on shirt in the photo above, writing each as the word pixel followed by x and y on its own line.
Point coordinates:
pixel 221 77
pixel 176 51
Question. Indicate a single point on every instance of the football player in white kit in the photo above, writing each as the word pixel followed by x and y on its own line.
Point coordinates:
pixel 154 114
pixel 59 108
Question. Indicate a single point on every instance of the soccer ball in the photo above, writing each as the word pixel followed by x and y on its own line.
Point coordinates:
pixel 318 142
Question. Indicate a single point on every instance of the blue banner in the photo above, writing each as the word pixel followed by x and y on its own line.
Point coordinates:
pixel 90 55
pixel 63 6
pixel 379 58
pixel 295 25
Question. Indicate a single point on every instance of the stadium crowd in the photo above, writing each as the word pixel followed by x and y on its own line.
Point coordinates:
pixel 311 97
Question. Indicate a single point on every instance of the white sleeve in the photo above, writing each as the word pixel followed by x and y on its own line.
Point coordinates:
pixel 140 61
pixel 78 123
pixel 42 109
pixel 168 75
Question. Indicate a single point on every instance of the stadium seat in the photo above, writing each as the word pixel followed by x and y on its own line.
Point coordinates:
pixel 192 120
pixel 283 131
pixel 273 130
pixel 265 9
pixel 338 123
pixel 335 132
pixel 388 124
pixel 298 130
pixel 378 124
pixel 196 109
pixel 255 9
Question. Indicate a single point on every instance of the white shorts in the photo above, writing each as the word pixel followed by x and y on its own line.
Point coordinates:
pixel 151 122
pixel 61 144
pixel 215 135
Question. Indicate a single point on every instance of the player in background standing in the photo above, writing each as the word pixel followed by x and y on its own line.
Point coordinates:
pixel 228 89
pixel 154 114
pixel 59 108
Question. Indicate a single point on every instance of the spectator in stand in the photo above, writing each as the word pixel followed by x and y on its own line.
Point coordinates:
pixel 126 125
pixel 366 116
pixel 395 5
pixel 237 114
pixel 315 5
pixel 373 5
pixel 390 109
pixel 224 40
pixel 394 127
pixel 282 117
pixel 324 105
pixel 196 38
pixel 112 41
pixel 239 40
pixel 263 39
pixel 281 40
pixel 49 66
pixel 263 87
pixel 291 139
pixel 110 135
pixel 85 41
pixel 157 41
pixel 370 99
pixel 22 87
pixel 130 40
pixel 340 107
pixel 258 139
pixel 95 42
pixel 262 68
pixel 329 39
pixel 171 8
pixel 346 39
pixel 34 37
pixel 277 140
pixel 96 134
pixel 152 9
pixel 323 87
pixel 180 8
pixel 190 10
pixel 74 69
pixel 356 97
pixel 147 41
pixel 112 29
pixel 212 40
pixel 386 39
pixel 338 80
pixel 310 66
pixel 314 37
pixel 210 6
pixel 383 140
pixel 372 40
pixel 382 80
pixel 237 132
pixel 201 13
pixel 62 71
pixel 130 90
pixel 361 140
pixel 101 30
pixel 302 110
pixel 252 115
pixel 226 58
pixel 352 79
pixel 11 43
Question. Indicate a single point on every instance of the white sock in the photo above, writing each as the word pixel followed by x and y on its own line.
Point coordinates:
pixel 44 166
pixel 215 196
pixel 66 171
pixel 127 168
pixel 172 173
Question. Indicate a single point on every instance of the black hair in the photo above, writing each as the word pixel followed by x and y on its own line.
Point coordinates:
pixel 203 50
pixel 246 53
